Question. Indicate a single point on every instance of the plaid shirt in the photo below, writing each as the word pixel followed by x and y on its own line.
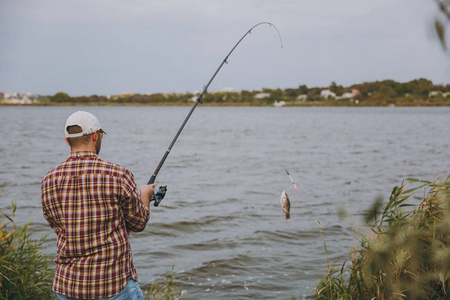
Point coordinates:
pixel 92 205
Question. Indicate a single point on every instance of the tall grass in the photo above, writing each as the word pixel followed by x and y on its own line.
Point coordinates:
pixel 407 253
pixel 24 271
pixel 170 289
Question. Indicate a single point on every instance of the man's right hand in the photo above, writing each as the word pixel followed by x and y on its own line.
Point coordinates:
pixel 147 193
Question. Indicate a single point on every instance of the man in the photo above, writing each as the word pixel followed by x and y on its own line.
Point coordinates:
pixel 92 205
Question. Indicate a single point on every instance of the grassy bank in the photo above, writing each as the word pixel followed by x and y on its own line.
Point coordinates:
pixel 24 271
pixel 407 253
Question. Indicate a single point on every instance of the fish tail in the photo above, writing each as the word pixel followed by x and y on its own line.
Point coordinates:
pixel 288 216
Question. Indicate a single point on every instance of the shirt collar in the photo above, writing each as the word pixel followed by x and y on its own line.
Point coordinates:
pixel 80 154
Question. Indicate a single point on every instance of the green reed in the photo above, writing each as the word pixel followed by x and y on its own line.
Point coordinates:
pixel 407 253
pixel 24 271
pixel 170 289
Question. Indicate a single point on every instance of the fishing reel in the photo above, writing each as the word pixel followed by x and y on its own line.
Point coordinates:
pixel 158 196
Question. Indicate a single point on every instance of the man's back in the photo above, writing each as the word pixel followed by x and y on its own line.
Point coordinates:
pixel 91 204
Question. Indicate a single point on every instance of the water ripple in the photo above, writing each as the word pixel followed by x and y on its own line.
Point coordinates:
pixel 221 223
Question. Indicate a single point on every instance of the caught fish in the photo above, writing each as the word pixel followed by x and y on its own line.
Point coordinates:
pixel 285 204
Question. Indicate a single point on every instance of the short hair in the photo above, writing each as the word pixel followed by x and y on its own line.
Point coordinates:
pixel 77 141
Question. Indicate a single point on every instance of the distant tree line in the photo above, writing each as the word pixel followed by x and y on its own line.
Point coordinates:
pixel 386 92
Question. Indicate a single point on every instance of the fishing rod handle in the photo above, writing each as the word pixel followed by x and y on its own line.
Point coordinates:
pixel 152 179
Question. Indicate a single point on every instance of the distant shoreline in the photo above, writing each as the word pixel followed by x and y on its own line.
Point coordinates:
pixel 320 104
pixel 418 92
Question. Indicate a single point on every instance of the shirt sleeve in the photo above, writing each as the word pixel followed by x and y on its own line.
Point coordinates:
pixel 49 208
pixel 135 213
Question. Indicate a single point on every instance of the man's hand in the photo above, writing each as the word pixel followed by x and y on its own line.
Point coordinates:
pixel 147 193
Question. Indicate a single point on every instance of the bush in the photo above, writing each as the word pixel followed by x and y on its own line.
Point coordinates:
pixel 407 256
pixel 24 271
pixel 60 98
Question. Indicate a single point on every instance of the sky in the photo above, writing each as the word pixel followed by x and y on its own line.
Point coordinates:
pixel 106 47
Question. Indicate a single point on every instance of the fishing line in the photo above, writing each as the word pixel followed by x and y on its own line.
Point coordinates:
pixel 292 180
pixel 159 195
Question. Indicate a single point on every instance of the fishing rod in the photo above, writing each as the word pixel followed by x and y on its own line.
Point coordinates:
pixel 159 195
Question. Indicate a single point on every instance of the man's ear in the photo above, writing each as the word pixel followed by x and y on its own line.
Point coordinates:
pixel 67 141
pixel 95 136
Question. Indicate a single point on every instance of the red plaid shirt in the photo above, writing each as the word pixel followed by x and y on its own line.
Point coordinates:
pixel 91 205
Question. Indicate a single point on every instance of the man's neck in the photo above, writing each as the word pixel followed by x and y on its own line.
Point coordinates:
pixel 83 149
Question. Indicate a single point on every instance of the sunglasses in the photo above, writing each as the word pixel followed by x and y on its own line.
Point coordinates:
pixel 101 132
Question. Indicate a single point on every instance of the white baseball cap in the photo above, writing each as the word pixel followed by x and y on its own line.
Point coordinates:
pixel 87 121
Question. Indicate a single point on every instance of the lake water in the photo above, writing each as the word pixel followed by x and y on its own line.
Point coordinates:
pixel 221 224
